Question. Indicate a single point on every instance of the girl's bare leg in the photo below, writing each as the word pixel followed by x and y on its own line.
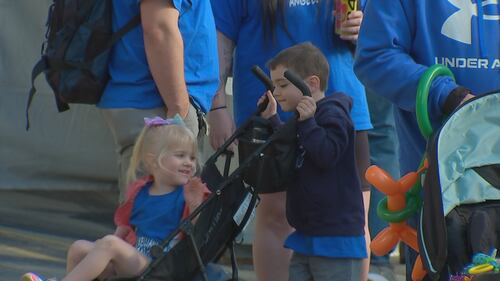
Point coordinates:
pixel 124 258
pixel 271 260
pixel 77 252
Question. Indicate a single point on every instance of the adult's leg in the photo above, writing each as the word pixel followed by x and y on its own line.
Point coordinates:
pixel 363 162
pixel 271 260
pixel 125 259
pixel 125 125
pixel 383 153
pixel 365 263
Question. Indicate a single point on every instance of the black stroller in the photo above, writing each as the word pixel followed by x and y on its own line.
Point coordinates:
pixel 461 191
pixel 265 158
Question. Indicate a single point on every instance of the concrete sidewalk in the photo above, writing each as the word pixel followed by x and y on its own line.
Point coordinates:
pixel 37 227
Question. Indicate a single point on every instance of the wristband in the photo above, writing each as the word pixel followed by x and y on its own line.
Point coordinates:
pixel 219 107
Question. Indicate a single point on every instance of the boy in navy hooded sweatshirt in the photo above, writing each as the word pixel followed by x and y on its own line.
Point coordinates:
pixel 324 202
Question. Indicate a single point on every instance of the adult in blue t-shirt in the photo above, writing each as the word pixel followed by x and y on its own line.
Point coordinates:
pixel 250 32
pixel 157 67
pixel 399 40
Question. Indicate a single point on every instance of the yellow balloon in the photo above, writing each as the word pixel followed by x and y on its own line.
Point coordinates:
pixel 482 268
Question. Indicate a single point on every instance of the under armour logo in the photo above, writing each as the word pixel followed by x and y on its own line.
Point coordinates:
pixel 458 25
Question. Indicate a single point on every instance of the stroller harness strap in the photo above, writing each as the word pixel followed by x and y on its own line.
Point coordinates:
pixel 490 173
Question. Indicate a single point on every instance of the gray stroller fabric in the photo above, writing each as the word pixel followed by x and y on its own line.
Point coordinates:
pixel 470 138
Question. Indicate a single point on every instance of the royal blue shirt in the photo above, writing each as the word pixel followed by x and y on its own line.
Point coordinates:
pixel 241 21
pixel 132 85
pixel 156 216
pixel 352 247
pixel 399 40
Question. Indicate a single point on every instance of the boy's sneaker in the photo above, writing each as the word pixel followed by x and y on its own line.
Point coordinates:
pixel 30 276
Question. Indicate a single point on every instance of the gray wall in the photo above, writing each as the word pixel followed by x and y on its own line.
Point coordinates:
pixel 70 150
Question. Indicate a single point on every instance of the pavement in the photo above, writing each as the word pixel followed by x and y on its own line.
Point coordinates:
pixel 37 227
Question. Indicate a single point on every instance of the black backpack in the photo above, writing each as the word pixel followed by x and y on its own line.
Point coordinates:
pixel 75 54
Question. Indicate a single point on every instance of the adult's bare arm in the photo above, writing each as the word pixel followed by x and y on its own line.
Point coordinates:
pixel 165 53
pixel 220 121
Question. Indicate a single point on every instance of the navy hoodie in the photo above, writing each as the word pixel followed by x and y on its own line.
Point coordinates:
pixel 326 199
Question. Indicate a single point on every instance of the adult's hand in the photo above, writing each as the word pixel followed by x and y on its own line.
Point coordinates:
pixel 466 98
pixel 349 29
pixel 221 127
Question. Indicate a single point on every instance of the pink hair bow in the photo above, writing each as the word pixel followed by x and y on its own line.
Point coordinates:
pixel 158 121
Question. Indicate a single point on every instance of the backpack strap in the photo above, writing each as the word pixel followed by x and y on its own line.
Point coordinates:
pixel 131 24
pixel 40 66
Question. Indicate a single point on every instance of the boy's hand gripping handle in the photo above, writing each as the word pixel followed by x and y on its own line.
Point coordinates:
pixel 257 71
pixel 299 83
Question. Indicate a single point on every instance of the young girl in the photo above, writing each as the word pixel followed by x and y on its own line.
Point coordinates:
pixel 165 152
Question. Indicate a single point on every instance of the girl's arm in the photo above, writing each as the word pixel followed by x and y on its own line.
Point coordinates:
pixel 195 192
pixel 122 231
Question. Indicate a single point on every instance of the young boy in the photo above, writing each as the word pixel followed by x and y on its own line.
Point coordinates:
pixel 324 203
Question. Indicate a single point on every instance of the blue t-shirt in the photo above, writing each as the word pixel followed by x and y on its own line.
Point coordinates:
pixel 352 247
pixel 132 85
pixel 154 217
pixel 241 21
pixel 397 44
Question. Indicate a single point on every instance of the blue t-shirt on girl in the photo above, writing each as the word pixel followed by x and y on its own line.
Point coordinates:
pixel 155 217
pixel 241 21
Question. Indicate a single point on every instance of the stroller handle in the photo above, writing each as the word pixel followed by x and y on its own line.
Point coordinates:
pixel 257 71
pixel 263 77
pixel 298 82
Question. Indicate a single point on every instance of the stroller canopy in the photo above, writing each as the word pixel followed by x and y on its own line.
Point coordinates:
pixel 468 153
